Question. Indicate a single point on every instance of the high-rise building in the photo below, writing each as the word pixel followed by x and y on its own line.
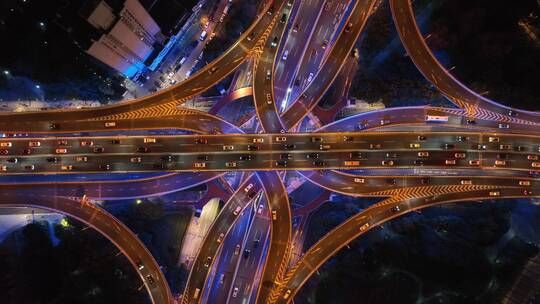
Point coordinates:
pixel 129 36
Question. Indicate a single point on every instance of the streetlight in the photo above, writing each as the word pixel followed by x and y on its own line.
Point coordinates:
pixel 64 223
pixel 37 86
pixel 6 72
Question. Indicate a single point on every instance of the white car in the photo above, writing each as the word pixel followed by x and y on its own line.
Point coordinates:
pixel 34 144
pixel 235 292
pixel 258 140
pixel 504 126
pixel 310 77
pixel 6 144
pixel 200 165
pixel 110 124
pixel 281 138
pixel 228 147
pixel 237 210
pixel 285 55
pixel 61 151
pixel 460 155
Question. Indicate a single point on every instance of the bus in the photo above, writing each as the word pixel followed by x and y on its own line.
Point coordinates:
pixel 435 118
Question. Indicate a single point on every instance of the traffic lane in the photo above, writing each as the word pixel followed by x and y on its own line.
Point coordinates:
pixel 269 162
pixel 324 77
pixel 197 83
pixel 432 69
pixel 248 266
pixel 355 185
pixel 302 32
pixel 369 120
pixel 318 46
pixel 320 41
pixel 372 217
pixel 280 232
pixel 221 226
pixel 114 190
pixel 112 229
pixel 263 69
pixel 278 139
pixel 229 256
pixel 342 157
pixel 260 142
pixel 294 46
pixel 190 120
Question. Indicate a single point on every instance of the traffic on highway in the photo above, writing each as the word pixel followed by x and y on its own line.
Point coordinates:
pixel 413 157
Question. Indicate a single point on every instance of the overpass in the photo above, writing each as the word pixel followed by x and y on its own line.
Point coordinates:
pixel 395 153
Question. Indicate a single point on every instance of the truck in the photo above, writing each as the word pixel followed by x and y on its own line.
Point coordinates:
pixel 436 118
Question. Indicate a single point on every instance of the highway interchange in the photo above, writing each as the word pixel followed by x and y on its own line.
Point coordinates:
pixel 480 151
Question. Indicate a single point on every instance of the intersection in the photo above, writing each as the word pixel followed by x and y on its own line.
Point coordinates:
pixel 482 150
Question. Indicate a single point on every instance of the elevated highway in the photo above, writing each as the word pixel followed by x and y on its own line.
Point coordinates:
pixel 94 216
pixel 374 216
pixel 474 104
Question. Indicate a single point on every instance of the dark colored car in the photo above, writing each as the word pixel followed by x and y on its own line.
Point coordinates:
pixel 281 163
pixel 167 158
pixel 289 147
pixel 246 157
pixel 355 155
pixel 312 155
pixel 318 163
pixel 285 156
